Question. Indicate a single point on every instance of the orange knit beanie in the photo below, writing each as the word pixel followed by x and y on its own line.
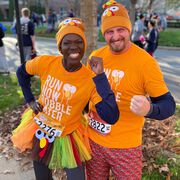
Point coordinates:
pixel 71 26
pixel 114 15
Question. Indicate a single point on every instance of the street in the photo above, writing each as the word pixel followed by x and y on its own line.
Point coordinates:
pixel 168 59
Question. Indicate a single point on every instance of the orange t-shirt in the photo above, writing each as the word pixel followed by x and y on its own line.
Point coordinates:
pixel 133 72
pixel 63 94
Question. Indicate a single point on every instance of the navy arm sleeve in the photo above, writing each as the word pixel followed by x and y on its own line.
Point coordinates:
pixel 162 107
pixel 107 109
pixel 24 80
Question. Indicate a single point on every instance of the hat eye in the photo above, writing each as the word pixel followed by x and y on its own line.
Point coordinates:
pixel 105 12
pixel 76 21
pixel 50 138
pixel 114 8
pixel 39 134
pixel 67 21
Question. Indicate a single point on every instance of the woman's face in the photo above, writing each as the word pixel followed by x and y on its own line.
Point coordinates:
pixel 72 47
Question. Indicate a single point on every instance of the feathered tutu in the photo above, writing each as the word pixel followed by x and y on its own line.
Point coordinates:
pixel 68 151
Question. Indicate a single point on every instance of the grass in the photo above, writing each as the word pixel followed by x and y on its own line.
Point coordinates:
pixel 170 37
pixel 162 161
pixel 11 94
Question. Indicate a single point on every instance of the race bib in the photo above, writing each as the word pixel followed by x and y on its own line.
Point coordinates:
pixel 98 124
pixel 48 125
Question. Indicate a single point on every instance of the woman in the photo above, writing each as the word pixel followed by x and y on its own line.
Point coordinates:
pixel 152 38
pixel 54 131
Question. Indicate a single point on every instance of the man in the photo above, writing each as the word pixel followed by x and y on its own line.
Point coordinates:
pixel 28 36
pixel 3 61
pixel 140 91
pixel 138 31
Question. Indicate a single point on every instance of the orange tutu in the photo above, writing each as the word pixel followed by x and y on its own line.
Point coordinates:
pixel 22 137
pixel 69 151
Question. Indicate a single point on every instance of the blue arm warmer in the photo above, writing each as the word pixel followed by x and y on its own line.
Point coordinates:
pixel 107 109
pixel 24 80
pixel 162 107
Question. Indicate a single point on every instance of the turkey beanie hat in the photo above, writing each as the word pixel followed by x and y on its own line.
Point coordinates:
pixel 114 15
pixel 71 26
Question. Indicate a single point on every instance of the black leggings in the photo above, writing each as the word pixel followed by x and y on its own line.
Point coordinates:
pixel 42 172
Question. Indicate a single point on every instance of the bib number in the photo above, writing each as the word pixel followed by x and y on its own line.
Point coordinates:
pixel 48 129
pixel 100 126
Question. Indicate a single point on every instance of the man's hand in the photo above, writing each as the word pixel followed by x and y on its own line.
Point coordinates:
pixel 36 106
pixel 140 105
pixel 96 64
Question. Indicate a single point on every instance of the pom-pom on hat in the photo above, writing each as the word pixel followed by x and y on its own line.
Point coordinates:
pixel 71 26
pixel 114 15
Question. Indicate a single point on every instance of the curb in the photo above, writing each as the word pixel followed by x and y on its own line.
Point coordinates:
pixel 168 48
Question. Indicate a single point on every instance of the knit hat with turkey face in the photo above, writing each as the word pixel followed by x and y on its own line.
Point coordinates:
pixel 114 15
pixel 71 26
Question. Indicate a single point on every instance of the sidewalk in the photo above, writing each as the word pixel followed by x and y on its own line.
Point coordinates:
pixel 11 170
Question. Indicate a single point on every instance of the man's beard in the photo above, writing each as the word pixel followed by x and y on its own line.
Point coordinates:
pixel 120 46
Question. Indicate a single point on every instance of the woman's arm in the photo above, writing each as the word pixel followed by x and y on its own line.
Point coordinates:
pixel 107 109
pixel 24 80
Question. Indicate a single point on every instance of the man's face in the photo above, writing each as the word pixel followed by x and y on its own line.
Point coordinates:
pixel 72 47
pixel 118 38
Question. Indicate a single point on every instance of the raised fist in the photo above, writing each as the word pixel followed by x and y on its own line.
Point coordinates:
pixel 96 64
pixel 140 105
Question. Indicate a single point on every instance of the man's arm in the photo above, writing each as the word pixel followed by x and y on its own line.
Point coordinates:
pixel 162 107
pixel 32 35
pixel 159 108
pixel 33 43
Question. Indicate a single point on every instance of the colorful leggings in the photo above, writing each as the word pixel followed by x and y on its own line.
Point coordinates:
pixel 125 164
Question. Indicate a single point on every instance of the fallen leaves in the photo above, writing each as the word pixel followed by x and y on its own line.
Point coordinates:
pixel 158 136
pixel 8 122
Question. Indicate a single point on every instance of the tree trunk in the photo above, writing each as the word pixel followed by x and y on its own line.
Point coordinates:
pixel 46 5
pixel 132 11
pixel 88 14
pixel 11 10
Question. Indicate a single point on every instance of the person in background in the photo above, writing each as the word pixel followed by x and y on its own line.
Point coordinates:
pixel 71 13
pixel 3 58
pixel 1 36
pixel 138 31
pixel 152 38
pixel 3 27
pixel 137 82
pixel 28 34
pixel 52 128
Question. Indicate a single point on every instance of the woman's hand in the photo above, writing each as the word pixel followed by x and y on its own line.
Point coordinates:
pixel 96 64
pixel 35 106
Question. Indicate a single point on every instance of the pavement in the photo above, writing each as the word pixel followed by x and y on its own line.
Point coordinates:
pixel 11 170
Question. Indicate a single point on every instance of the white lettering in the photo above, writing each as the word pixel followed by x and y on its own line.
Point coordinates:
pixel 107 72
pixel 118 95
